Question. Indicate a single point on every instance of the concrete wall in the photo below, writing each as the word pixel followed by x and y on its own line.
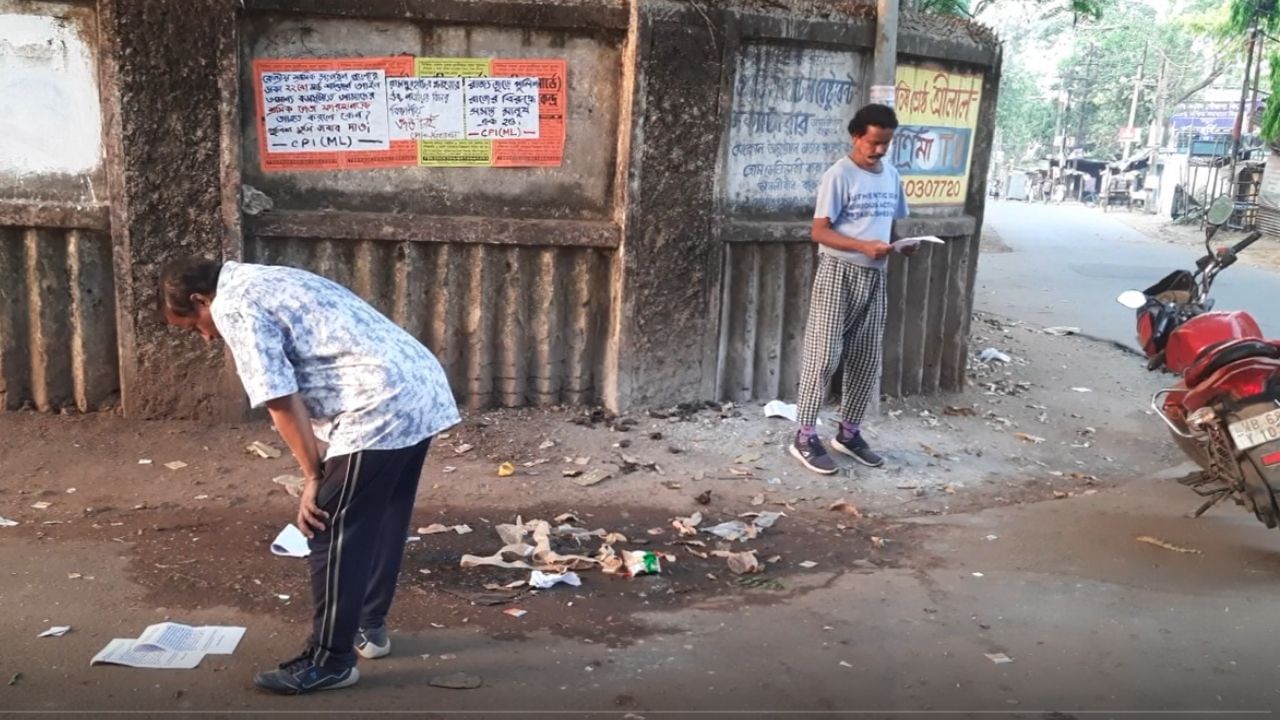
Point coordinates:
pixel 655 265
pixel 57 325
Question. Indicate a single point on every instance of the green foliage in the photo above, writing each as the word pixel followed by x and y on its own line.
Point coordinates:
pixel 1023 114
pixel 1270 127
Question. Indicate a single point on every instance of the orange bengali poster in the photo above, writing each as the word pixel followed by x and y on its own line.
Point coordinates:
pixel 328 114
pixel 548 149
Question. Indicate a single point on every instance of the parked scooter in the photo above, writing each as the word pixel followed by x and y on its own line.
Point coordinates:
pixel 1224 412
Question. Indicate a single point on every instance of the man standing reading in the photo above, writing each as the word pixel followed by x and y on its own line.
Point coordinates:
pixel 858 200
pixel 329 367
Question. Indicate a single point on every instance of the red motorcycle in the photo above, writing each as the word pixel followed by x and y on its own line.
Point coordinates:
pixel 1224 412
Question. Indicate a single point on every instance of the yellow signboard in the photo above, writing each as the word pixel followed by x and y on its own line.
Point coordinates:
pixel 933 148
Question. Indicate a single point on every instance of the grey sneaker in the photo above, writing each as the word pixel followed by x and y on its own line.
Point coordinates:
pixel 810 452
pixel 301 675
pixel 372 643
pixel 857 448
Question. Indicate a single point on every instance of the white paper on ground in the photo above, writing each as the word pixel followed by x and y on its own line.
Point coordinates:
pixel 121 651
pixel 55 631
pixel 175 637
pixel 290 543
pixel 779 409
pixel 543 581
pixel 907 242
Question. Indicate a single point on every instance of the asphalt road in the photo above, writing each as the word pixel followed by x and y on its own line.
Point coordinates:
pixel 1069 263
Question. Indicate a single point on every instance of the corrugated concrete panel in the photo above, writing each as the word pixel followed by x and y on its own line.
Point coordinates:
pixel 513 325
pixel 57 320
pixel 765 306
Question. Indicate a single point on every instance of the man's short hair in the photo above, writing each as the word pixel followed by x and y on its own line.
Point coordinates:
pixel 180 279
pixel 881 116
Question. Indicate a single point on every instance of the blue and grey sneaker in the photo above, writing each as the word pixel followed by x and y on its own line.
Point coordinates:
pixel 857 448
pixel 809 451
pixel 301 675
pixel 372 643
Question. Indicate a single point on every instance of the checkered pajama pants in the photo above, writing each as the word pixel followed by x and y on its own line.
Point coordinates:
pixel 846 323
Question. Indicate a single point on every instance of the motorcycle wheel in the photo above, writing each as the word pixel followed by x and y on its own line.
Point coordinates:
pixel 1261 483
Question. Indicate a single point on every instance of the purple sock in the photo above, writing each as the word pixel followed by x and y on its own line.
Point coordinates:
pixel 806 432
pixel 849 429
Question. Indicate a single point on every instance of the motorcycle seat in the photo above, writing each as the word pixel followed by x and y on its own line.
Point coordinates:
pixel 1217 356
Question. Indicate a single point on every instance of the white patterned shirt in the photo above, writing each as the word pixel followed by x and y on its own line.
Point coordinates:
pixel 367 383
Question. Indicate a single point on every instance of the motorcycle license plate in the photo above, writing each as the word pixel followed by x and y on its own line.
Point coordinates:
pixel 1256 430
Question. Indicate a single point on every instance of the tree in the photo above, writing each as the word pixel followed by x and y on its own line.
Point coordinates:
pixel 1078 8
pixel 1023 115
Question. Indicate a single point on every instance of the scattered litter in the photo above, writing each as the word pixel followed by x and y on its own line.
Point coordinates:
pixel 744 563
pixel 290 543
pixel 456 681
pixel 486 599
pixel 55 631
pixel 993 537
pixel 201 496
pixel 1060 330
pixel 284 596
pixel 71 491
pixel 1081 390
pixel 463 449
pixel 641 562
pixel 15 678
pixel 779 409
pixel 999 658
pixel 878 541
pixel 763 520
pixel 1027 437
pixel 175 465
pixel 582 461
pixel 266 451
pixel 292 484
pixel 977 574
pixel 960 410
pixel 757 500
pixel 846 507
pixel 413 538
pixel 808 564
pixel 1060 494
pixel 461 529
pixel 593 477
pixel 572 473
pixel 992 354
pixel 703 498
pixel 544 581
pixel 547 444
pixel 515 612
pixel 747 458
pixel 733 530
pixel 144 461
pixel 845 663
pixel 170 646
pixel 42 505
pixel 506 469
pixel 6 522
pixel 448 469
pixel 687 526
pixel 434 529
pixel 1167 545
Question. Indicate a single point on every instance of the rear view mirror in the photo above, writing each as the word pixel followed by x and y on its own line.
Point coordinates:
pixel 1220 210
pixel 1132 299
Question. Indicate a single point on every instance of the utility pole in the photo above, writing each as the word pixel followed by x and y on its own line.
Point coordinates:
pixel 1156 133
pixel 884 69
pixel 1257 72
pixel 1238 130
pixel 1133 104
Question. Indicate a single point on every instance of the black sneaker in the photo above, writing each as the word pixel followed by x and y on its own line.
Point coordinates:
pixel 857 448
pixel 301 675
pixel 810 452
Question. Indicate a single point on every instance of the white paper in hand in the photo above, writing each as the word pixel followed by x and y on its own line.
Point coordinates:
pixel 290 543
pixel 908 242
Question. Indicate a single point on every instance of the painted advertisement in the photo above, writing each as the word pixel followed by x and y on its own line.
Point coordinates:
pixel 788 123
pixel 933 148
pixel 403 111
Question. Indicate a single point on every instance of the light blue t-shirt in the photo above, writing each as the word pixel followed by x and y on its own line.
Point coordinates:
pixel 861 205
pixel 367 383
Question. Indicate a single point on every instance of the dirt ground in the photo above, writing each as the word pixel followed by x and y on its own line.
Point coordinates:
pixel 126 541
